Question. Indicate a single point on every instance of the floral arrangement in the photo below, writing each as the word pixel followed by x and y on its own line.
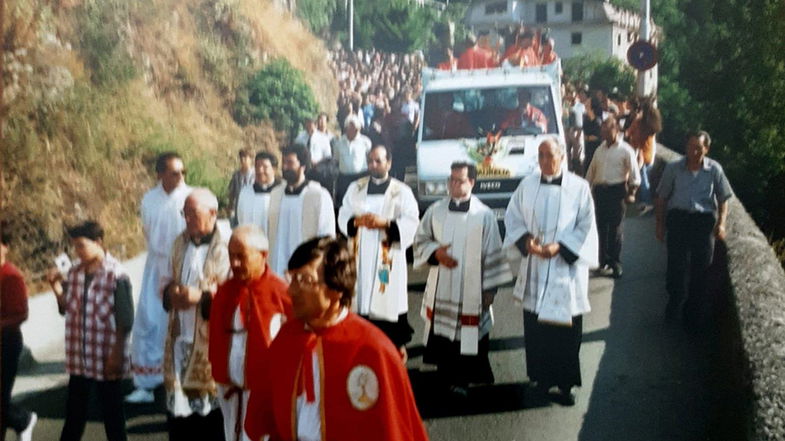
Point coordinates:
pixel 484 152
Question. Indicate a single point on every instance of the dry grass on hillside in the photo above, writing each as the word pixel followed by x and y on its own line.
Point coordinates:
pixel 94 89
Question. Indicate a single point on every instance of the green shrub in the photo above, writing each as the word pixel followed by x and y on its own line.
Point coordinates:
pixel 277 93
pixel 600 72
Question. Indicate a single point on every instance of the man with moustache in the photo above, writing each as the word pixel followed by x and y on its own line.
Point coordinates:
pixel 380 216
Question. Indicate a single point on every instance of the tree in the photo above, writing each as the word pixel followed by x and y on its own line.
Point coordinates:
pixel 278 92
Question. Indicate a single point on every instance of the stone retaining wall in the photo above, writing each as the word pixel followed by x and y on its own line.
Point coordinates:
pixel 749 284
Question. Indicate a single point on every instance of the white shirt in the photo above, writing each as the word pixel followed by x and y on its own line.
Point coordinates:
pixel 411 109
pixel 614 165
pixel 320 146
pixel 352 154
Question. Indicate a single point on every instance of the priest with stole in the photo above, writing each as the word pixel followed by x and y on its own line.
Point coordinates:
pixel 459 238
pixel 379 214
pixel 551 230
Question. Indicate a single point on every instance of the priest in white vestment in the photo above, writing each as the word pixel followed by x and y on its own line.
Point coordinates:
pixel 459 238
pixel 162 221
pixel 254 200
pixel 551 226
pixel 299 210
pixel 380 216
pixel 200 263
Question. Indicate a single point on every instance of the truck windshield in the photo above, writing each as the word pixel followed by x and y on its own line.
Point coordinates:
pixel 472 113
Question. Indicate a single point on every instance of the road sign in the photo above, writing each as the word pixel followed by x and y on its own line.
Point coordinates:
pixel 642 55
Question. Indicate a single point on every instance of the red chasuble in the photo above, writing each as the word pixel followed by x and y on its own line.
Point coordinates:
pixel 365 392
pixel 260 300
pixel 476 58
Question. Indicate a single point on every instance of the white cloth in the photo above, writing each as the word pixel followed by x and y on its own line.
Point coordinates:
pixel 616 164
pixel 162 221
pixel 320 146
pixel 294 219
pixel 412 110
pixel 309 415
pixel 237 349
pixel 396 204
pixel 191 275
pixel 229 409
pixel 352 154
pixel 552 288
pixel 252 208
pixel 453 294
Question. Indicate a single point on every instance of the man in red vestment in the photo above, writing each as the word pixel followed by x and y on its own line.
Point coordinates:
pixel 548 55
pixel 335 375
pixel 523 52
pixel 475 57
pixel 246 314
pixel 525 115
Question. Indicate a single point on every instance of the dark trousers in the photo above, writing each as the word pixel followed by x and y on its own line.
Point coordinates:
pixel 609 210
pixel 690 250
pixel 196 427
pixel 342 185
pixel 553 352
pixel 456 369
pixel 11 415
pixel 110 401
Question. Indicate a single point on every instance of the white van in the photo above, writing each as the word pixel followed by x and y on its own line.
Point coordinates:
pixel 478 116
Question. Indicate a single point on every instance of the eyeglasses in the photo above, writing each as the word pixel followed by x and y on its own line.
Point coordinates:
pixel 301 279
pixel 182 172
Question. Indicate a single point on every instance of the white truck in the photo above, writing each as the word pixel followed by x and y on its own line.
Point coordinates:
pixel 482 116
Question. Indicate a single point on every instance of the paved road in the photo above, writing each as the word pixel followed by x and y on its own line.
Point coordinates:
pixel 642 379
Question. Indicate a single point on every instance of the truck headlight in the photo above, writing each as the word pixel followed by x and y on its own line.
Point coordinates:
pixel 433 188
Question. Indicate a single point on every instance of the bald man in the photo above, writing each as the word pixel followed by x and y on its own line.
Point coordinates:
pixel 246 314
pixel 200 263
pixel 550 222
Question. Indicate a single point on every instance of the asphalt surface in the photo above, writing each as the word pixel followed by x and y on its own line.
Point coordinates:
pixel 643 379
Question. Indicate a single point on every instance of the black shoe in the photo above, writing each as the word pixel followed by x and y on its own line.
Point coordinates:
pixel 459 392
pixel 564 397
pixel 617 271
pixel 671 311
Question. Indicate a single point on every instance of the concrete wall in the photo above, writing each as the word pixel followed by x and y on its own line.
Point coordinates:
pixel 748 284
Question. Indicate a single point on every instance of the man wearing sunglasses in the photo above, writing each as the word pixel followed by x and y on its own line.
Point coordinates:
pixel 162 221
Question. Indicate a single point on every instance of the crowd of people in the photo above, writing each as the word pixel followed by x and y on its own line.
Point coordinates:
pixel 294 325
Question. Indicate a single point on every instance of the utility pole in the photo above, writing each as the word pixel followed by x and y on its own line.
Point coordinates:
pixel 351 25
pixel 645 78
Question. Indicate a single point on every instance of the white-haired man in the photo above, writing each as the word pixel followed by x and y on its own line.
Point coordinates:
pixel 200 263
pixel 162 222
pixel 350 150
pixel 245 316
pixel 550 222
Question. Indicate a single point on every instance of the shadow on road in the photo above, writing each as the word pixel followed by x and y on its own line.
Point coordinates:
pixel 434 401
pixel 51 404
pixel 658 380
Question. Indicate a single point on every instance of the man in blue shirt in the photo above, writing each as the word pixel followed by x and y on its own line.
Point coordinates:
pixel 695 193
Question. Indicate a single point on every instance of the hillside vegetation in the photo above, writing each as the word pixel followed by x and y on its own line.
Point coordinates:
pixel 94 89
